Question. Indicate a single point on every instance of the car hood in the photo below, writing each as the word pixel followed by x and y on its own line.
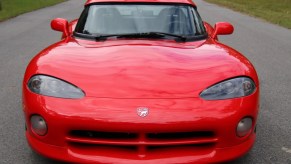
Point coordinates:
pixel 140 69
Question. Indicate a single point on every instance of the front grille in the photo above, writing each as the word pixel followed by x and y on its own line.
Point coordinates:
pixel 180 135
pixel 86 146
pixel 150 136
pixel 176 147
pixel 141 142
pixel 103 135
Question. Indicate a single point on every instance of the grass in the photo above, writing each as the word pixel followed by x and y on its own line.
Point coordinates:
pixel 275 11
pixel 12 8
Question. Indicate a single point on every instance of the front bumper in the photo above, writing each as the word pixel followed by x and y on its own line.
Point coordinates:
pixel 74 155
pixel 119 115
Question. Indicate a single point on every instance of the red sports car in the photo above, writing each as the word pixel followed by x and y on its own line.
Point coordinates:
pixel 140 81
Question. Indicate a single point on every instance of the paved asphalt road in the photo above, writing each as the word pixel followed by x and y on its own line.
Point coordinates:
pixel 267 46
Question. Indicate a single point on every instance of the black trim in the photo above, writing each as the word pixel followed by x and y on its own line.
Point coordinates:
pixel 140 3
pixel 187 39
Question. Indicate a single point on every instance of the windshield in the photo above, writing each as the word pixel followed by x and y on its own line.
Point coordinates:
pixel 112 19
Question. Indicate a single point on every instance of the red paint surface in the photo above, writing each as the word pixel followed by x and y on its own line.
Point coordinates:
pixel 120 75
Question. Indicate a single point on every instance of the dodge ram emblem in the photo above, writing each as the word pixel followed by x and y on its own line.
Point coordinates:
pixel 142 111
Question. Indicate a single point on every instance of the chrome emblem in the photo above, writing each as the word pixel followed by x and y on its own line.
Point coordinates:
pixel 142 111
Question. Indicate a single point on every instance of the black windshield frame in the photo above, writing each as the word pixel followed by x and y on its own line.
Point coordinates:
pixel 199 26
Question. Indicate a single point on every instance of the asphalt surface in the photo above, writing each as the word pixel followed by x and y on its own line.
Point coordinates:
pixel 267 46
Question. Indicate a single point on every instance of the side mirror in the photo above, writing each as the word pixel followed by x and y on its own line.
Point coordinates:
pixel 222 28
pixel 62 25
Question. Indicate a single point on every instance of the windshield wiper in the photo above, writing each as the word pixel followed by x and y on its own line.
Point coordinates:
pixel 182 38
pixel 142 35
pixel 103 37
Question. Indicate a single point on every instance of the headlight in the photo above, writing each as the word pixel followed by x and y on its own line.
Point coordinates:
pixel 236 87
pixel 49 86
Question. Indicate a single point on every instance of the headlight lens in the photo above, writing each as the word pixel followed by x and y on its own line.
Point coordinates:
pixel 49 86
pixel 236 87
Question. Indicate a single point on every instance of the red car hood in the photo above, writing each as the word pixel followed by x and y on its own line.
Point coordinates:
pixel 141 69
